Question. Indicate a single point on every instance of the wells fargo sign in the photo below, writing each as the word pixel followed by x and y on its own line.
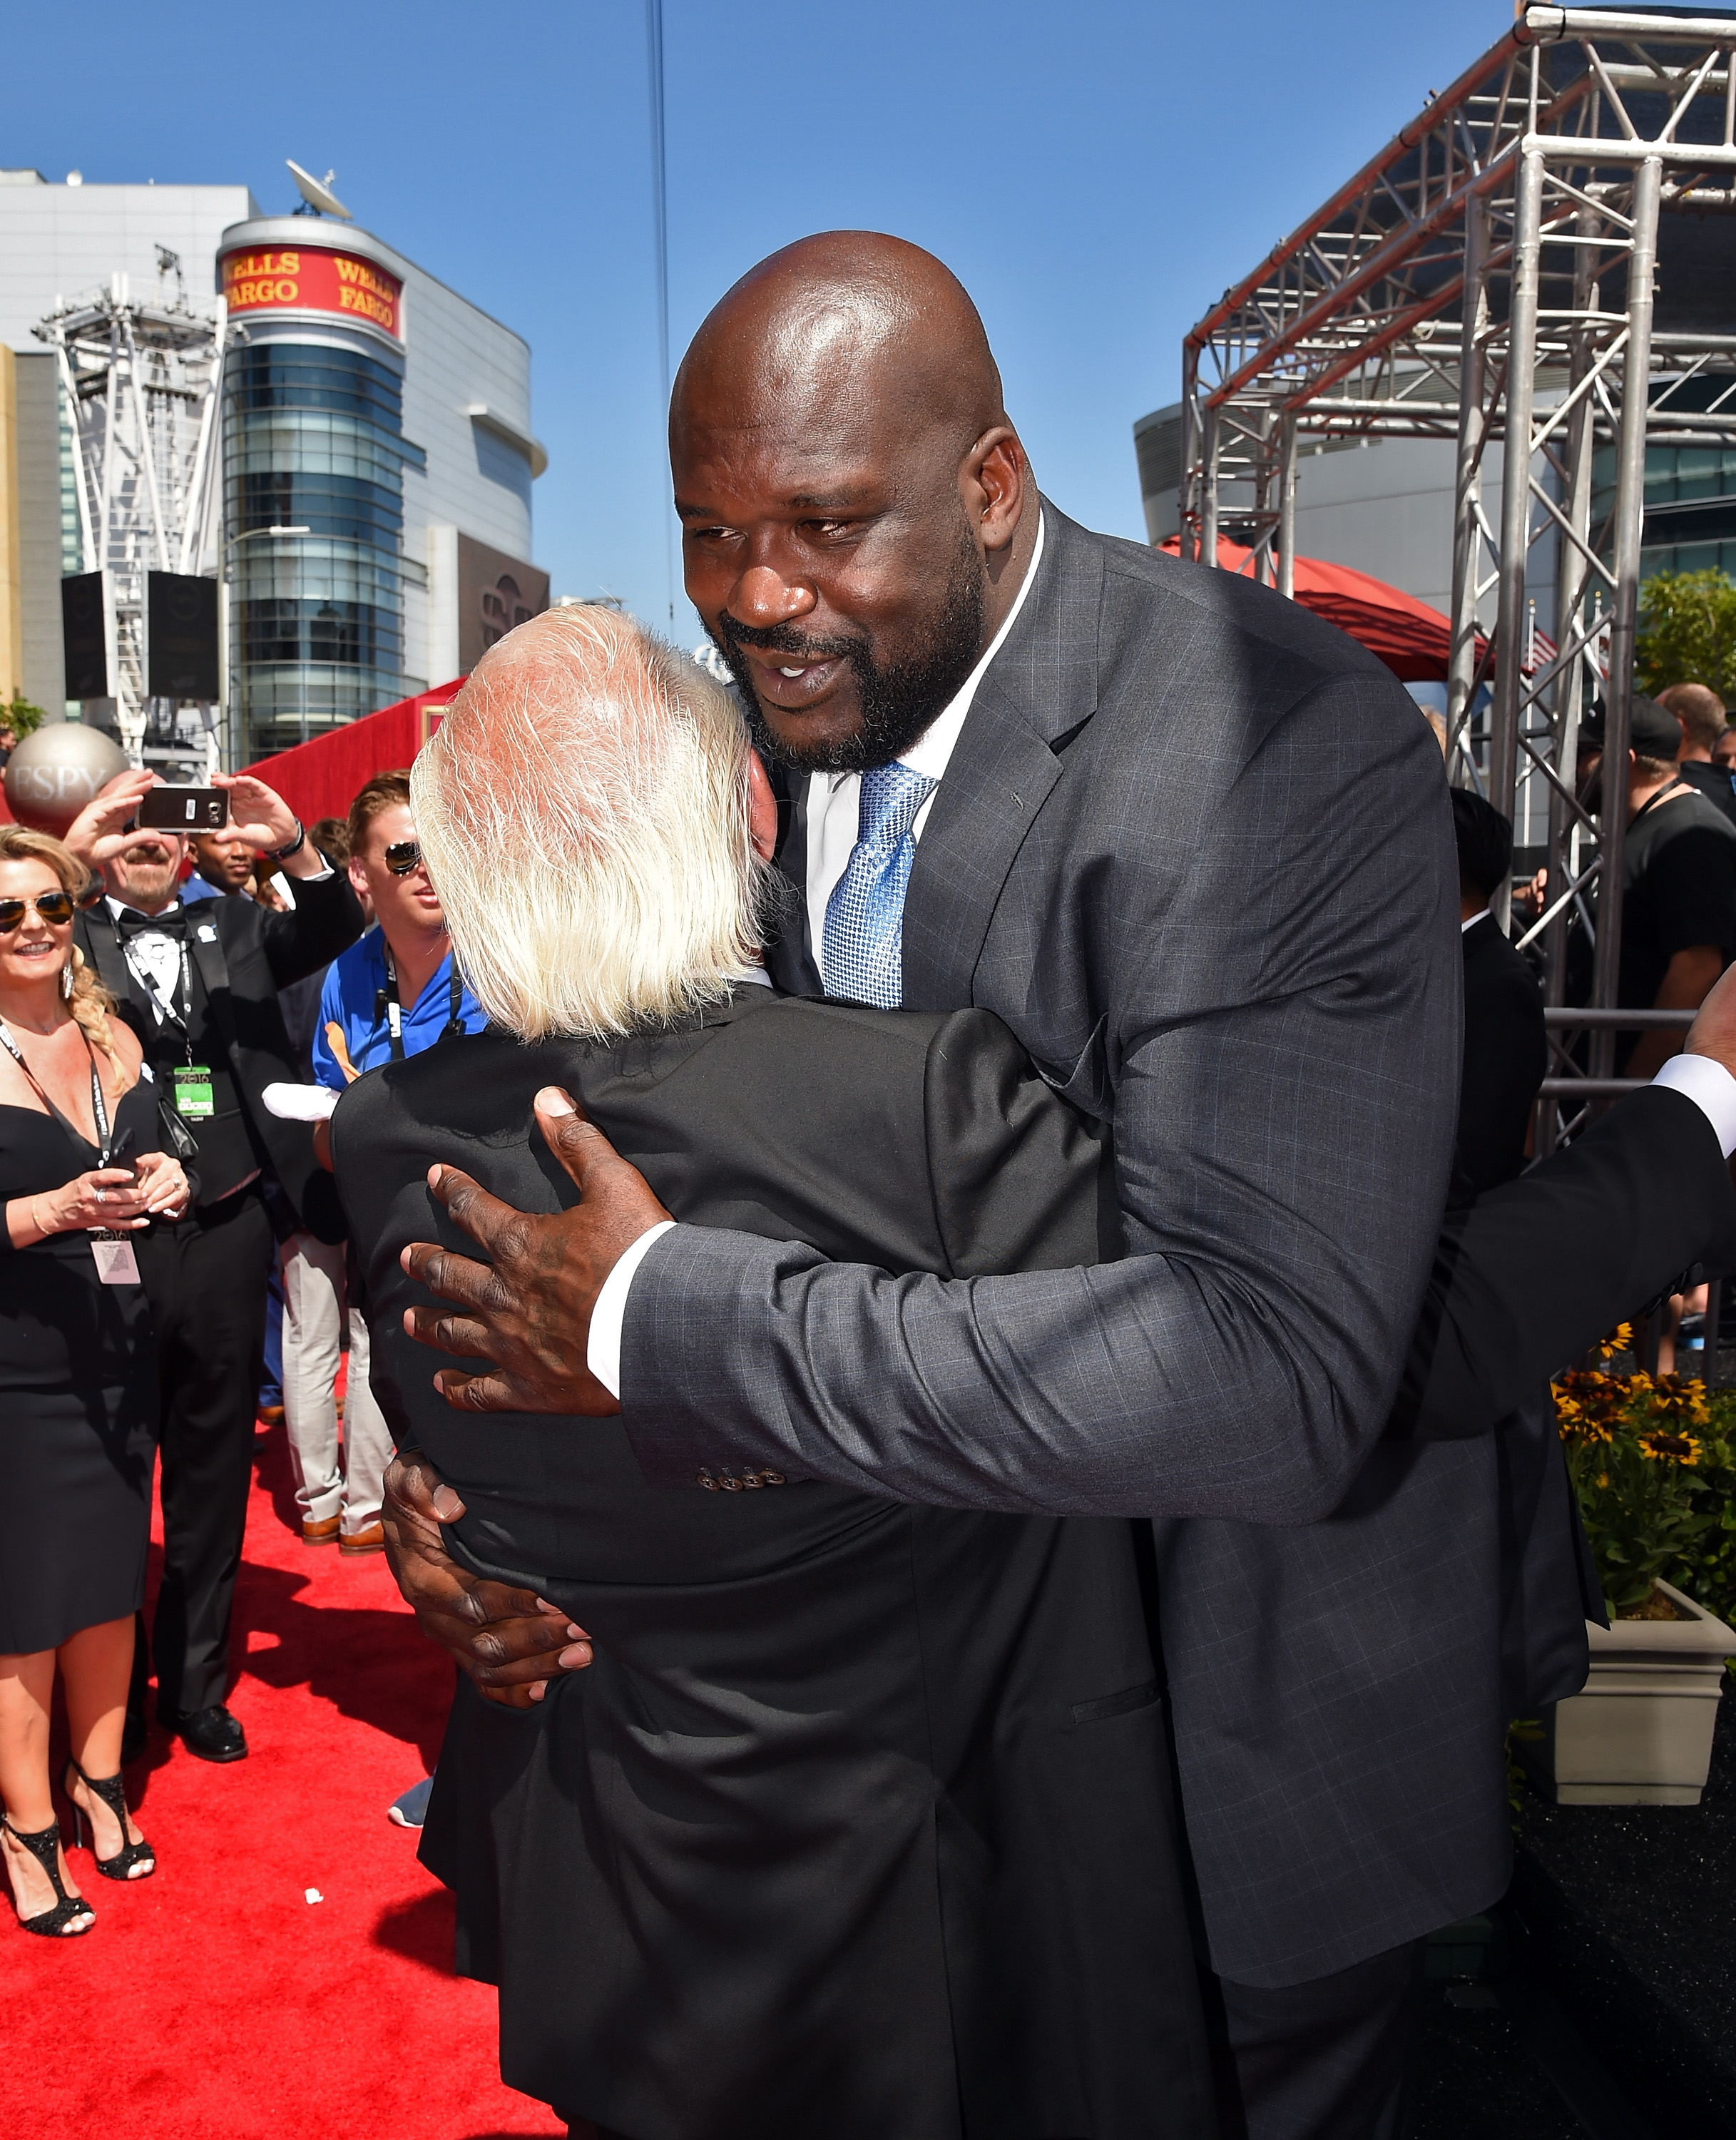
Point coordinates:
pixel 306 280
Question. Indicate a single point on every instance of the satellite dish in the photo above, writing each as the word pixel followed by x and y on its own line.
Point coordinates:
pixel 317 192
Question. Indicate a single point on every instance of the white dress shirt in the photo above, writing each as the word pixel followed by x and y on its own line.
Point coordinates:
pixel 154 956
pixel 834 799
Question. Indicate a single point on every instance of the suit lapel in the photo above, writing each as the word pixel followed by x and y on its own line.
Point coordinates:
pixel 205 947
pixel 106 956
pixel 1041 686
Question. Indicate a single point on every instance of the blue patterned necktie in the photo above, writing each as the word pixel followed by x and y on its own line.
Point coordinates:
pixel 865 917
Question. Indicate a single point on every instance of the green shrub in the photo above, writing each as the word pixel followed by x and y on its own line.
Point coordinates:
pixel 1687 632
pixel 19 714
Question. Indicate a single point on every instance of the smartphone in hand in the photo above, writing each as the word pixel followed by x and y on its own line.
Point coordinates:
pixel 184 810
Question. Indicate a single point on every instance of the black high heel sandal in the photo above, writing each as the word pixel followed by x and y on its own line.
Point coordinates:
pixel 61 1921
pixel 109 1790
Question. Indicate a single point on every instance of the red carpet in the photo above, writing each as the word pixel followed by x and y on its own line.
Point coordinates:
pixel 213 2001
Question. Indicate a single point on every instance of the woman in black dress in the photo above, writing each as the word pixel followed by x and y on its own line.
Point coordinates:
pixel 79 1172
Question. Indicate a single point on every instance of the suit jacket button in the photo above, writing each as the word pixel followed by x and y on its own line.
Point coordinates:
pixel 729 1483
pixel 708 1482
pixel 752 1479
pixel 771 1478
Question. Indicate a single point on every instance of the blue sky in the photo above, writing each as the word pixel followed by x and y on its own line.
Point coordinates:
pixel 1096 172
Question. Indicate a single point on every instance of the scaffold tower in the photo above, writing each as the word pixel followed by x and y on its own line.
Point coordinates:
pixel 139 385
pixel 1489 278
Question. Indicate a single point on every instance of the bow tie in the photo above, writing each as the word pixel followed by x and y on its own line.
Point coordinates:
pixel 129 922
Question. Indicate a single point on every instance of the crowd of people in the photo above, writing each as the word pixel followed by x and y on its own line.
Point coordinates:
pixel 187 981
pixel 931 1319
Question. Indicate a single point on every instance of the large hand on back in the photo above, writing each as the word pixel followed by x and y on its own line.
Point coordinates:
pixel 509 1641
pixel 527 1309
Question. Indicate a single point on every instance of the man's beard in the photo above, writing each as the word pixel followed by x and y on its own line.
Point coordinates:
pixel 898 701
pixel 137 878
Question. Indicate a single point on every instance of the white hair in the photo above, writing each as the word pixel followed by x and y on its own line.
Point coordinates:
pixel 584 812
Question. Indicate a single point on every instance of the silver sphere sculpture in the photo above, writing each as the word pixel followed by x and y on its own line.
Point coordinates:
pixel 54 774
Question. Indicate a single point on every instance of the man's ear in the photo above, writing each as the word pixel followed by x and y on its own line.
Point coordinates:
pixel 358 878
pixel 992 482
pixel 761 809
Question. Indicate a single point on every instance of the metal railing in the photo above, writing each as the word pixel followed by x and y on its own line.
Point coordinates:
pixel 1559 1019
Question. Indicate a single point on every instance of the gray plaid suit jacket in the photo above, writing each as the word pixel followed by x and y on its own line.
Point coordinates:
pixel 1192 847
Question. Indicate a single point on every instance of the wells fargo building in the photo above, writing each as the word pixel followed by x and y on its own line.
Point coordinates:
pixel 377 468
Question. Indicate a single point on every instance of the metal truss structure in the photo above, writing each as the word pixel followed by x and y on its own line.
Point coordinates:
pixel 139 385
pixel 1489 278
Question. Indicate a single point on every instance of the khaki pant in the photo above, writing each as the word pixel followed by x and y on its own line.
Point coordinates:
pixel 314 1308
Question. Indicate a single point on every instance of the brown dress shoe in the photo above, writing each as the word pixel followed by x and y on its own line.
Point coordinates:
pixel 371 1540
pixel 322 1532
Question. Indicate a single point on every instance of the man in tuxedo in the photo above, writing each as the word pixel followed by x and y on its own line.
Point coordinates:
pixel 197 982
pixel 1192 846
pixel 1506 1048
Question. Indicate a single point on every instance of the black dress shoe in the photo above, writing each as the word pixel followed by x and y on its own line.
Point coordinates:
pixel 213 1734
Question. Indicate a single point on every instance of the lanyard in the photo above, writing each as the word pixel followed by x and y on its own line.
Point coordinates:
pixel 98 1105
pixel 181 1020
pixel 394 1011
pixel 1666 794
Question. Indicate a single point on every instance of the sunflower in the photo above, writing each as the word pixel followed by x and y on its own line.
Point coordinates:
pixel 1670 1448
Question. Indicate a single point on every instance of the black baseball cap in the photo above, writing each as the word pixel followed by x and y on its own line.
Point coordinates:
pixel 1653 730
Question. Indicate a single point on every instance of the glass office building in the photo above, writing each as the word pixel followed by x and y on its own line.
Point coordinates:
pixel 1690 491
pixel 336 524
pixel 313 441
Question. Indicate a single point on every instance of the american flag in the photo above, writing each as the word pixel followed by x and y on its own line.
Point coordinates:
pixel 1540 649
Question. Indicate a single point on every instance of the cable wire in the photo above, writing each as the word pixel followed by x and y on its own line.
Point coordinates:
pixel 660 223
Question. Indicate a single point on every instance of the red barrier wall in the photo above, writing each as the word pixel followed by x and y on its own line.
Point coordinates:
pixel 317 779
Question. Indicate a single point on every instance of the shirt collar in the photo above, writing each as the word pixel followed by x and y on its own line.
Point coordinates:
pixel 117 907
pixel 1466 927
pixel 932 752
pixel 440 980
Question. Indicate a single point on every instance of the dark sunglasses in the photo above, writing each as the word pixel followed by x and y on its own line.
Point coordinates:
pixel 403 856
pixel 55 906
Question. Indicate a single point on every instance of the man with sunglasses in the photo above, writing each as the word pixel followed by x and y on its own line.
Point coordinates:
pixel 197 979
pixel 389 996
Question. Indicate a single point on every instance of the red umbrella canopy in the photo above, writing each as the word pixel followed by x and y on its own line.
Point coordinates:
pixel 1409 637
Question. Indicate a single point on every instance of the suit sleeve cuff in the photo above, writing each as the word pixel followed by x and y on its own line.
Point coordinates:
pixel 602 1355
pixel 1708 1084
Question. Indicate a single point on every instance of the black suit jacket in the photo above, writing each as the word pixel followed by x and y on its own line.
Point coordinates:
pixel 863 1811
pixel 257 951
pixel 1193 847
pixel 926 1144
pixel 1505 1054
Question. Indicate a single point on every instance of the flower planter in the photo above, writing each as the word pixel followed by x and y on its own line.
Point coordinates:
pixel 1641 1733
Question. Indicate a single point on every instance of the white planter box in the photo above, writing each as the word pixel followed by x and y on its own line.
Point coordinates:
pixel 1640 1734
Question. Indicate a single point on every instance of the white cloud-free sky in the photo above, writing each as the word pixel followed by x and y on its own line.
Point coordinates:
pixel 1096 172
